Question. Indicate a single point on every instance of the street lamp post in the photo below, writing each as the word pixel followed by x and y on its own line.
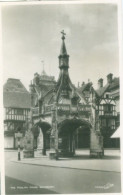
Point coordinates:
pixel 18 136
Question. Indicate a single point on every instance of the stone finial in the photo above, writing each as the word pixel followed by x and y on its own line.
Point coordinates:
pixel 63 34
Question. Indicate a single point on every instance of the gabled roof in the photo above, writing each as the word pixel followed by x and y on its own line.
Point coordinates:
pixel 15 95
pixel 16 100
pixel 115 83
pixel 84 86
pixel 108 87
pixel 102 90
pixel 43 89
pixel 14 85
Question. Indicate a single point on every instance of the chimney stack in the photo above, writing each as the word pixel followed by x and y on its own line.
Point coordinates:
pixel 83 83
pixel 100 83
pixel 109 78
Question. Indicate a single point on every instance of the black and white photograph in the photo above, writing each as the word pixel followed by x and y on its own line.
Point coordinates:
pixel 61 97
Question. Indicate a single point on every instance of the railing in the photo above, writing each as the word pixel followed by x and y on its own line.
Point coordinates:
pixel 80 109
pixel 45 110
pixel 108 113
pixel 84 108
pixel 15 117
pixel 62 108
pixel 111 113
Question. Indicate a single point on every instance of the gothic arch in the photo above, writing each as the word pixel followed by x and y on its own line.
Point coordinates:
pixel 67 130
pixel 45 128
pixel 76 122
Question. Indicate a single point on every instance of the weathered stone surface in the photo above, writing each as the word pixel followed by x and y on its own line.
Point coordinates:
pixel 96 139
pixel 40 140
pixel 54 135
pixel 96 145
pixel 53 156
pixel 40 149
pixel 28 151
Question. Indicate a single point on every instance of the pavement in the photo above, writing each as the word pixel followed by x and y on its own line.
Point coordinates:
pixel 77 175
pixel 110 162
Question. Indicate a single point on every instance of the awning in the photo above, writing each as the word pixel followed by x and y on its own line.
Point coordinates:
pixel 116 133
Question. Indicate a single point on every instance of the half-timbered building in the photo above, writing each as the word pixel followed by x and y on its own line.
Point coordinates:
pixel 108 97
pixel 17 104
pixel 109 109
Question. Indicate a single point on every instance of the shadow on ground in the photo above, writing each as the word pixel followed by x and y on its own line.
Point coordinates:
pixel 15 186
pixel 85 157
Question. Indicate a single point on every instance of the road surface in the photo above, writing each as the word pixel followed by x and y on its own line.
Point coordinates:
pixel 27 179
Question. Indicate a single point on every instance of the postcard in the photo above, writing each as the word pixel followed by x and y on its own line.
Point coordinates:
pixel 61 72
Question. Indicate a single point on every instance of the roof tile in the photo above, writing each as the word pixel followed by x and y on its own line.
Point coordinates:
pixel 16 95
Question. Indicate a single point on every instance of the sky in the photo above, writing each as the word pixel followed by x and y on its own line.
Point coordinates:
pixel 31 33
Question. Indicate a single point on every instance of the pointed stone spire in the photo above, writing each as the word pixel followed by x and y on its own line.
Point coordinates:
pixel 63 86
pixel 63 50
pixel 63 57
